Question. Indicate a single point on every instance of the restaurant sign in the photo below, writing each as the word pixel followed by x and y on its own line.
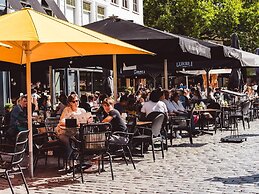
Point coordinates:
pixel 139 72
pixel 184 64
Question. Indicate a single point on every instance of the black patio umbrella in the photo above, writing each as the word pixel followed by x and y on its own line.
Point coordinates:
pixel 235 78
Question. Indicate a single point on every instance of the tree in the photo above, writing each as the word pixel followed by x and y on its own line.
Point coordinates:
pixel 207 19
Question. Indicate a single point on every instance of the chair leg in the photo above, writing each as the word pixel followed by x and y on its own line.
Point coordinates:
pixel 24 180
pixel 153 150
pixel 110 160
pixel 162 147
pixel 9 181
pixel 130 157
pixel 81 171
pixel 190 136
pixel 124 155
pixel 243 121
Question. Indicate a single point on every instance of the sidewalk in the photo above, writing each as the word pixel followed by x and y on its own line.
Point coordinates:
pixel 207 166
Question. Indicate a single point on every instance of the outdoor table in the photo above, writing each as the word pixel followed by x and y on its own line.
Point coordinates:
pixel 201 112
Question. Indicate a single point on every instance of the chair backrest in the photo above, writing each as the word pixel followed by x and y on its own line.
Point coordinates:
pixel 131 124
pixel 51 123
pixel 245 107
pixel 20 147
pixel 94 136
pixel 157 124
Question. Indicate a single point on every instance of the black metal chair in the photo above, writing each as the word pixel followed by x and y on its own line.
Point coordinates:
pixel 11 158
pixel 46 144
pixel 93 142
pixel 187 126
pixel 151 135
pixel 51 123
pixel 242 114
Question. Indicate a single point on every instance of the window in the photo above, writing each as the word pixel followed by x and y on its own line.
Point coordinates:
pixel 25 3
pixel 125 4
pixel 115 2
pixel 86 6
pixel 2 7
pixel 86 12
pixel 135 5
pixel 71 2
pixel 44 3
pixel 100 13
pixel 70 10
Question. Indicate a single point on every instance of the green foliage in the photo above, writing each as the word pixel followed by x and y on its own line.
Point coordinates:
pixel 207 19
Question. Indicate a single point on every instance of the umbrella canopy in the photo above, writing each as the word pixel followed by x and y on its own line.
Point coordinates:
pixel 165 45
pixel 51 38
pixel 36 36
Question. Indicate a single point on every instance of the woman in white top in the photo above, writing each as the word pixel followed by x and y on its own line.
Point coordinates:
pixel 154 105
pixel 71 111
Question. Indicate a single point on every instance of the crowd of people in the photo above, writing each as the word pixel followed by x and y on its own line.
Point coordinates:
pixel 144 104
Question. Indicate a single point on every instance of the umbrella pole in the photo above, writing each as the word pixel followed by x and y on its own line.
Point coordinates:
pixel 208 81
pixel 166 74
pixel 115 91
pixel 29 105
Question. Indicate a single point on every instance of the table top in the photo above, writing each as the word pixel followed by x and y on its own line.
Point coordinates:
pixel 207 110
pixel 142 123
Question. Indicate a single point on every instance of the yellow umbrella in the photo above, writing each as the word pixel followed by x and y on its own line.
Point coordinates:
pixel 5 45
pixel 35 37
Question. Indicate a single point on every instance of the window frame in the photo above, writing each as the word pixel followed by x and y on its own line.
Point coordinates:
pixel 125 4
pixel 135 6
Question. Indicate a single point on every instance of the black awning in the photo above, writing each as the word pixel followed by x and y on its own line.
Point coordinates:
pixel 16 5
pixel 57 12
pixel 36 6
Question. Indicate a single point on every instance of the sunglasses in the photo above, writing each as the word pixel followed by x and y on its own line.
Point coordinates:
pixel 75 101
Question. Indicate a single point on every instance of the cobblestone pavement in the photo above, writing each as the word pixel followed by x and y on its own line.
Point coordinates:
pixel 206 167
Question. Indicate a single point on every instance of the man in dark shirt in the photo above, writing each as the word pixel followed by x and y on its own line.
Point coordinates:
pixel 113 116
pixel 18 119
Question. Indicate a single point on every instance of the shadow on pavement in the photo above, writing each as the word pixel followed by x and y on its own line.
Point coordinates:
pixel 237 180
pixel 195 145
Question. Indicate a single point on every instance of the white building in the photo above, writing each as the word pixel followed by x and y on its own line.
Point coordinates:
pixel 82 12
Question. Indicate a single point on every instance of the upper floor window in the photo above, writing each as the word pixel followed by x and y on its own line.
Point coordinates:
pixel 71 2
pixel 2 6
pixel 125 4
pixel 86 6
pixel 25 3
pixel 135 5
pixel 115 2
pixel 100 13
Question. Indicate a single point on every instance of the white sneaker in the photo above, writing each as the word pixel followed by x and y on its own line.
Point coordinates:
pixel 177 135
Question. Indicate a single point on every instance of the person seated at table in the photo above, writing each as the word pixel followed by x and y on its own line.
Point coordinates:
pixel 18 119
pixel 154 106
pixel 72 110
pixel 210 96
pixel 62 104
pixel 84 104
pixel 169 105
pixel 179 109
pixel 121 106
pixel 113 116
